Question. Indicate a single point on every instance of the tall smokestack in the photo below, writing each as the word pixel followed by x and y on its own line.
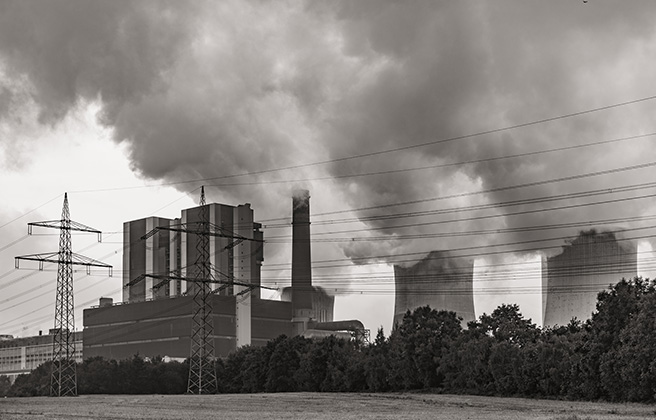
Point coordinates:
pixel 301 260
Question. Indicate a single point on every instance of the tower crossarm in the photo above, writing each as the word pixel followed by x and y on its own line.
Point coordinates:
pixel 193 229
pixel 59 224
pixel 54 257
pixel 165 278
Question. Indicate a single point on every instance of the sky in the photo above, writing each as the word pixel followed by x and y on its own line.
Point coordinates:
pixel 417 126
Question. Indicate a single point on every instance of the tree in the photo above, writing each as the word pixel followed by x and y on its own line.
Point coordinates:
pixel 422 337
pixel 97 376
pixel 466 364
pixel 488 357
pixel 596 374
pixel 547 364
pixel 507 324
pixel 284 363
pixel 35 383
pixel 633 359
pixel 233 370
pixel 254 368
pixel 376 364
pixel 5 384
pixel 168 377
pixel 313 366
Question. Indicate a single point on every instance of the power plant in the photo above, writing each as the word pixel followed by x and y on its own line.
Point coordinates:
pixel 155 319
pixel 587 265
pixel 161 258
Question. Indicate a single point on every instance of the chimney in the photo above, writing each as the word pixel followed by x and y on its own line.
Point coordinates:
pixel 301 260
pixel 105 302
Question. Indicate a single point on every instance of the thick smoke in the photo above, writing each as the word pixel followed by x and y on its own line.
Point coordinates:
pixel 209 89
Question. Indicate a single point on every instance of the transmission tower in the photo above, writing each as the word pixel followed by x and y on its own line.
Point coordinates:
pixel 63 378
pixel 202 376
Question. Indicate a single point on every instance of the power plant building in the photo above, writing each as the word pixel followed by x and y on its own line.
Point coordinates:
pixel 162 327
pixel 159 253
pixel 587 265
pixel 441 281
pixel 236 253
pixel 155 318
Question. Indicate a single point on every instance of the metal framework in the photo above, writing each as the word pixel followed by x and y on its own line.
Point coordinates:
pixel 202 375
pixel 63 378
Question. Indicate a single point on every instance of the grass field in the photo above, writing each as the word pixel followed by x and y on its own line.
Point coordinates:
pixel 313 406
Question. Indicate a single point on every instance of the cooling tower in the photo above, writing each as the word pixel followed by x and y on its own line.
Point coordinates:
pixel 441 281
pixel 572 279
pixel 301 259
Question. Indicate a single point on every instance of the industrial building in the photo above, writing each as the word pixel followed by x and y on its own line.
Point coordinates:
pixel 441 281
pixel 162 327
pixel 158 254
pixel 587 265
pixel 153 323
pixel 234 254
pixel 22 355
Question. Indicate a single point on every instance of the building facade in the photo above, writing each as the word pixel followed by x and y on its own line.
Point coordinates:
pixel 162 327
pixel 22 355
pixel 158 254
pixel 441 281
pixel 236 252
pixel 587 265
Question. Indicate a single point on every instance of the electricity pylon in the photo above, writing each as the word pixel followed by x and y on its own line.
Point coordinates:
pixel 63 377
pixel 202 376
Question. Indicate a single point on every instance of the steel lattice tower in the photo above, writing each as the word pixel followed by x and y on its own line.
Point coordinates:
pixel 63 378
pixel 202 377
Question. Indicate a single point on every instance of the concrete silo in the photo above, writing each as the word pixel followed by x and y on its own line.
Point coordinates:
pixel 440 280
pixel 587 265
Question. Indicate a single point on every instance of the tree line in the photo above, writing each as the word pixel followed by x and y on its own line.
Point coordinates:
pixel 611 356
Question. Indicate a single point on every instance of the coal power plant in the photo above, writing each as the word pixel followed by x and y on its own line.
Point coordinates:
pixel 587 265
pixel 155 316
pixel 441 281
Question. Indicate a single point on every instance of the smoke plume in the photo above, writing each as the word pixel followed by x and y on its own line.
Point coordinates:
pixel 203 90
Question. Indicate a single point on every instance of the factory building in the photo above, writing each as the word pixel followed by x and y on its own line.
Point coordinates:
pixel 21 355
pixel 162 327
pixel 441 281
pixel 154 323
pixel 587 265
pixel 235 253
pixel 159 253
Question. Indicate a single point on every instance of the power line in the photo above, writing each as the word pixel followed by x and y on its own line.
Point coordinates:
pixel 477 207
pixel 499 189
pixel 397 149
pixel 488 216
pixel 592 223
pixel 430 143
pixel 439 166
pixel 30 211
pixel 381 259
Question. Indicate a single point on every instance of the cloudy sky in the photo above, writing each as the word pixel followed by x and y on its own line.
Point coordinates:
pixel 416 126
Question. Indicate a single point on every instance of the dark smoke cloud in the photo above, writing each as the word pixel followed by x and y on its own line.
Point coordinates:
pixel 207 89
pixel 78 50
pixel 463 69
